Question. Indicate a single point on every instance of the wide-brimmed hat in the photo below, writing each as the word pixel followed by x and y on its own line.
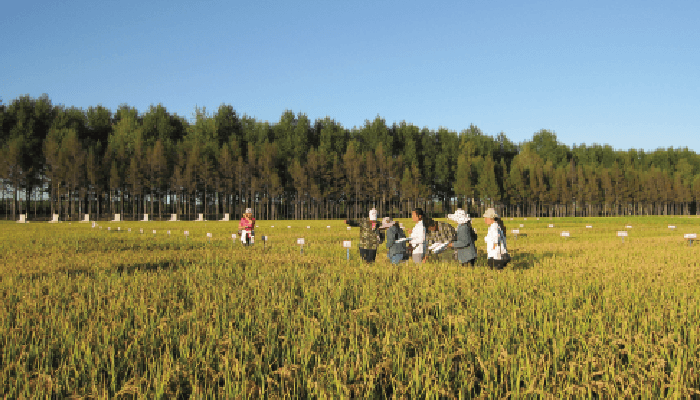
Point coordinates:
pixel 459 216
pixel 248 211
pixel 387 222
pixel 373 214
pixel 490 213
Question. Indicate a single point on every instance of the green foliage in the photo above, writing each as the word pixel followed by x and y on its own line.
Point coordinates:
pixel 250 162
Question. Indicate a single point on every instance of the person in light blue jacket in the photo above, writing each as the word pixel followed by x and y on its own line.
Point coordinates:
pixel 466 249
pixel 394 233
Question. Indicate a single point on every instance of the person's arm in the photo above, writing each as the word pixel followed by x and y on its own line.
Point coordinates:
pixel 390 237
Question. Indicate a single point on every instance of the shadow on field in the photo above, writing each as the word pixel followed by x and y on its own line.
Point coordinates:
pixel 521 260
pixel 121 269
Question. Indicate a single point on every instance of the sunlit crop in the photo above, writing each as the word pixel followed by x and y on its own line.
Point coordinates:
pixel 106 313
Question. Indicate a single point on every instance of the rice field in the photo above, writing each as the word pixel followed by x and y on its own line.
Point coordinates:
pixel 97 313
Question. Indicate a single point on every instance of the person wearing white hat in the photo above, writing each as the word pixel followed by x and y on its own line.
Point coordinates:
pixel 246 227
pixel 370 236
pixel 466 249
pixel 496 247
pixel 396 249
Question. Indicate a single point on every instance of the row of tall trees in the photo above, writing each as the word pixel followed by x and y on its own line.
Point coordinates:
pixel 71 161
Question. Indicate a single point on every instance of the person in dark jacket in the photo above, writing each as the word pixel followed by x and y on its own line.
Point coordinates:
pixel 396 249
pixel 466 249
pixel 370 236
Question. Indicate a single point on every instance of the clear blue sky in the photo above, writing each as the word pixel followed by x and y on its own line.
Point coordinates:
pixel 624 73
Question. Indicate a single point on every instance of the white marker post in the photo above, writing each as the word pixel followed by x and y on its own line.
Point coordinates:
pixel 119 228
pixel 141 230
pixel 671 227
pixel 308 227
pixel 348 228
pixel 328 227
pixel 129 230
pixel 628 226
pixel 516 232
pixel 347 244
pixel 589 226
pixel 93 224
pixel 622 234
pixel 168 233
pixel 264 242
pixel 208 237
pixel 300 242
pixel 551 225
pixel 690 237
pixel 187 235
pixel 154 233
pixel 109 228
pixel 522 225
pixel 565 234
pixel 288 226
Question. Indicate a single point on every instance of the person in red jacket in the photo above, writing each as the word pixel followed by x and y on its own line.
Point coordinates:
pixel 246 228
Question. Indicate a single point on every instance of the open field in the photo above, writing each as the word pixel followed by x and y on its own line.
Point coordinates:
pixel 90 312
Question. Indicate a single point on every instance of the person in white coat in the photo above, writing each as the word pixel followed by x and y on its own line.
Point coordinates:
pixel 496 248
pixel 418 236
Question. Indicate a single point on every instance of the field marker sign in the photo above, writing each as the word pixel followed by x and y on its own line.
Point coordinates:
pixel 622 234
pixel 690 237
pixel 516 232
pixel 300 242
pixel 347 244
pixel 565 234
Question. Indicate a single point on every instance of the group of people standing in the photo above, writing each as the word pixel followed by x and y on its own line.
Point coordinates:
pixel 432 239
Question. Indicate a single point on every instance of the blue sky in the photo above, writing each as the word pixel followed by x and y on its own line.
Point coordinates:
pixel 623 73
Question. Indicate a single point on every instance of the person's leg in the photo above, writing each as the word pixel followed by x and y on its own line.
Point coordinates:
pixel 371 255
pixel 417 258
pixel 491 263
pixel 363 254
pixel 397 258
pixel 469 263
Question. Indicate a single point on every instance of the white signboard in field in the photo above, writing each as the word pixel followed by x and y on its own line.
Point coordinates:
pixel 348 228
pixel 551 225
pixel 300 241
pixel 622 233
pixel 628 226
pixel 154 231
pixel 690 236
pixel 347 243
pixel 516 231
pixel 308 227
pixel 671 227
pixel 208 234
pixel 589 226
pixel 565 234
pixel 522 226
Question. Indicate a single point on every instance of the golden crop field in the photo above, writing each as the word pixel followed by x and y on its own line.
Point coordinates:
pixel 94 313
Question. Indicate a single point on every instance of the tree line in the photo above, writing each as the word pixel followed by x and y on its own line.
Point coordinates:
pixel 69 161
